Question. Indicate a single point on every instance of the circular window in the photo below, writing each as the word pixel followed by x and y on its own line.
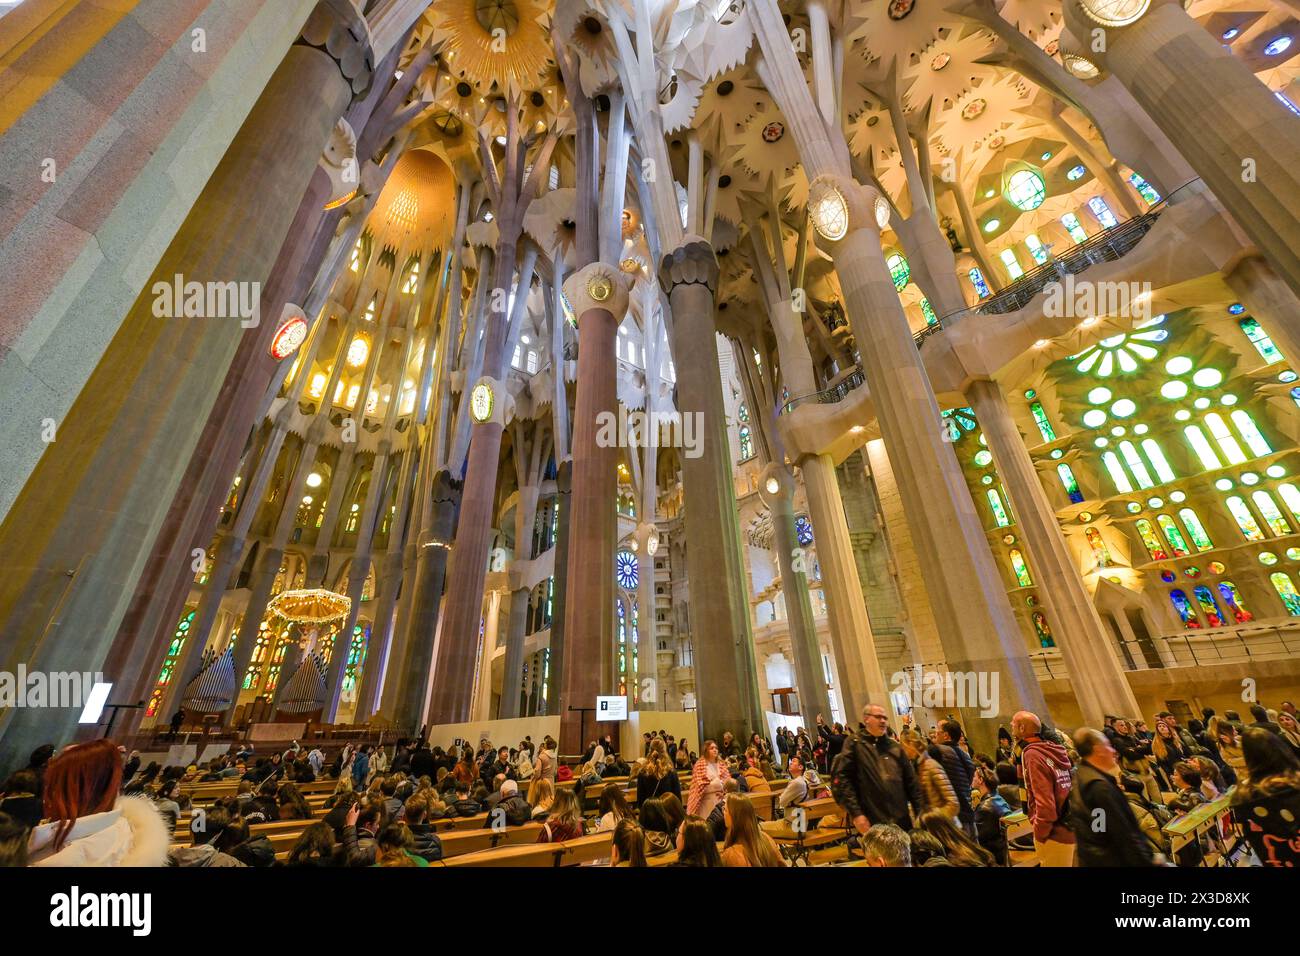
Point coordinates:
pixel 1026 190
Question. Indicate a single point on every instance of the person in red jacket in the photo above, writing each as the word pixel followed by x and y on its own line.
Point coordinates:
pixel 1045 767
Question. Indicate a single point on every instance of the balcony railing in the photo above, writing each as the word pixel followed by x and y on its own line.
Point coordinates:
pixel 828 396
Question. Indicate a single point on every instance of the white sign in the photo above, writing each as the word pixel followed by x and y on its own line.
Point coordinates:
pixel 611 708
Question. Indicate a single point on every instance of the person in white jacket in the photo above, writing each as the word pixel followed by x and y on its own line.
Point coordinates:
pixel 89 823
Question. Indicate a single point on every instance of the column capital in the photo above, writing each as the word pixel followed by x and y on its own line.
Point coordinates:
pixel 338 30
pixel 692 262
pixel 598 285
pixel 838 206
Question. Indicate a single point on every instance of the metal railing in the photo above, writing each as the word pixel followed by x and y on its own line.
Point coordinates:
pixel 828 396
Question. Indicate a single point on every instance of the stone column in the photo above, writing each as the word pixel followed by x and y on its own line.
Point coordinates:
pixel 1102 166
pixel 726 677
pixel 564 504
pixel 1235 133
pixel 381 636
pixel 513 679
pixel 599 295
pixel 101 492
pixel 776 489
pixel 1095 675
pixel 491 636
pixel 976 625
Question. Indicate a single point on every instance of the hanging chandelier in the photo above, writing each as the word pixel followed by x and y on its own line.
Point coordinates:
pixel 310 605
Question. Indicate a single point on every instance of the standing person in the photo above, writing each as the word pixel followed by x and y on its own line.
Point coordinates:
pixel 89 823
pixel 361 768
pixel 177 720
pixel 657 776
pixel 874 781
pixel 546 760
pixel 708 780
pixel 1046 769
pixel 936 788
pixel 746 843
pixel 1267 805
pixel 959 767
pixel 1105 829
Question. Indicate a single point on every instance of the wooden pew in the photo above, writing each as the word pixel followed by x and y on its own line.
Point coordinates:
pixel 537 854
pixel 798 845
pixel 587 849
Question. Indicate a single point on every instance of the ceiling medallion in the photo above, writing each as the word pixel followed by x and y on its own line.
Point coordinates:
pixel 288 337
pixel 773 131
pixel 481 402
pixel 940 61
pixel 1052 47
pixel 898 9
pixel 974 108
pixel 599 288
pixel 997 142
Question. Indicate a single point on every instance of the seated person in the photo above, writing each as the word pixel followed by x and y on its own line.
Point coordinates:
pixel 463 806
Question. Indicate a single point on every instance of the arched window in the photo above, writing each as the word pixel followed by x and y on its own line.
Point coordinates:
pixel 1136 464
pixel 746 443
pixel 1071 223
pixel 1291 498
pixel 1041 420
pixel 1227 441
pixel 1245 520
pixel 1232 600
pixel 1116 472
pixel 1204 451
pixel 899 270
pixel 1099 550
pixel 1272 516
pixel 1026 190
pixel 1173 535
pixel 1042 630
pixel 1155 547
pixel 977 280
pixel 1020 569
pixel 1009 260
pixel 1102 212
pixel 1254 439
pixel 995 505
pixel 1286 591
pixel 1144 188
pixel 1195 530
pixel 1158 461
pixel 1260 339
pixel 927 310
pixel 1066 475
pixel 1036 248
pixel 356 657
pixel 412 278
pixel 743 412
pixel 1209 607
pixel 1183 607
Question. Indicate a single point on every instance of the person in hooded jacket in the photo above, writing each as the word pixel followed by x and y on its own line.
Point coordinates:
pixel 1045 766
pixel 89 823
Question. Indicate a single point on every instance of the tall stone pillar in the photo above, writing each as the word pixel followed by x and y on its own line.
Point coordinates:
pixel 599 295
pixel 487 650
pixel 101 492
pixel 726 679
pixel 433 545
pixel 976 625
pixel 564 505
pixel 1095 675
pixel 513 672
pixel 1235 133
pixel 776 490
pixel 381 637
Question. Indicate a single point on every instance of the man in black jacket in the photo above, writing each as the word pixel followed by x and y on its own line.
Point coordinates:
pixel 1104 826
pixel 874 781
pixel 960 769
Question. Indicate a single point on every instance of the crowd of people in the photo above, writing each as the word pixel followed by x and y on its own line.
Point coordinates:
pixel 908 798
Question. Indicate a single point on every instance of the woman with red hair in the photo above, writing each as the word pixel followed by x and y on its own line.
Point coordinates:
pixel 89 823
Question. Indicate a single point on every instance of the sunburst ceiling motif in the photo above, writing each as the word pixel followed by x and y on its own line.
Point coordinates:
pixel 943 71
pixel 501 43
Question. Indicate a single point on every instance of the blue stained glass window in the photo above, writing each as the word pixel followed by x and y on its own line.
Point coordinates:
pixel 803 530
pixel 625 570
pixel 981 287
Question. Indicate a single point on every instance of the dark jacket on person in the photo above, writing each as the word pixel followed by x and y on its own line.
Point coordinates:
pixel 423 764
pixel 255 851
pixel 1267 813
pixel 427 842
pixel 874 778
pixel 960 769
pixel 464 808
pixel 988 826
pixel 516 808
pixel 204 854
pixel 1105 830
pixel 29 809
pixel 649 786
pixel 359 847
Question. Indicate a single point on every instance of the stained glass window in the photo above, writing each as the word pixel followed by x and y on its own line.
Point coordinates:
pixel 1036 248
pixel 743 412
pixel 999 512
pixel 899 270
pixel 977 280
pixel 803 530
pixel 1155 547
pixel 1102 212
pixel 1204 451
pixel 625 570
pixel 1009 260
pixel 1272 516
pixel 746 443
pixel 1144 188
pixel 1291 498
pixel 356 656
pixel 1178 598
pixel 1044 632
pixel 169 661
pixel 1026 190
pixel 1195 530
pixel 1260 339
pixel 1040 419
pixel 1254 439
pixel 1209 606
pixel 622 648
pixel 412 278
pixel 1123 352
pixel 1232 601
pixel 1227 441
pixel 1071 223
pixel 1020 569
pixel 1173 535
pixel 1135 464
pixel 1116 472
pixel 1245 520
pixel 927 310
pixel 1099 550
pixel 1286 591
pixel 1158 461
pixel 1066 475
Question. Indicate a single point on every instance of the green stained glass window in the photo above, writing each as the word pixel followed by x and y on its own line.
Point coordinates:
pixel 1227 441
pixel 1245 520
pixel 1255 441
pixel 1026 190
pixel 995 505
pixel 1291 498
pixel 1260 339
pixel 1040 419
pixel 1116 471
pixel 1042 630
pixel 899 270
pixel 1099 550
pixel 1155 547
pixel 927 310
pixel 1286 591
pixel 1036 248
pixel 1272 516
pixel 1145 189
pixel 1136 464
pixel 1012 263
pixel 1066 474
pixel 1204 450
pixel 1195 530
pixel 1173 535
pixel 1158 461
pixel 1071 223
pixel 1020 569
